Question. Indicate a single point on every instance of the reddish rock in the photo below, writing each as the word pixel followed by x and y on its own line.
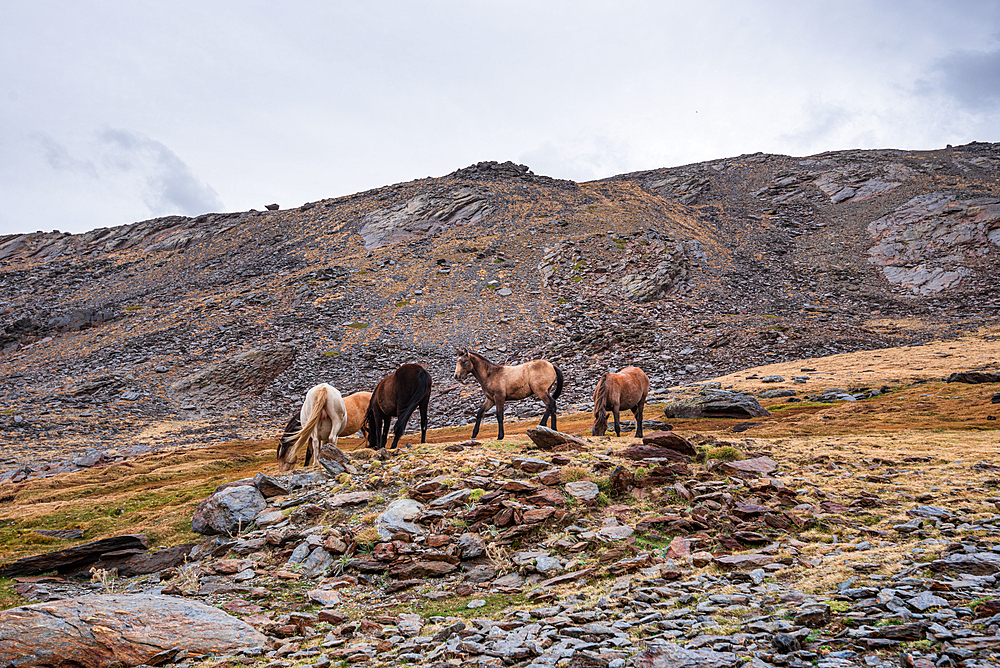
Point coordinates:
pixel 648 522
pixel 741 561
pixel 679 548
pixel 537 515
pixel 518 486
pixel 546 497
pixel 384 552
pixel 567 577
pixel 112 630
pixel 683 491
pixel 438 540
pixel 331 616
pixel 238 605
pixel 749 510
pixel 349 499
pixel 550 477
pixel 671 441
pixel 422 568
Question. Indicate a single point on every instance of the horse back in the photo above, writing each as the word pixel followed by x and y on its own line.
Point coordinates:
pixel 633 386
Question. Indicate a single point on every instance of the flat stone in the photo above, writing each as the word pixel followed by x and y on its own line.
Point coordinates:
pixel 325 597
pixel 717 403
pixel 584 490
pixel 349 499
pixel 529 464
pixel 398 518
pixel 268 486
pixel 74 558
pixel 669 655
pixel 549 439
pixel 742 561
pixel 671 441
pixel 116 629
pixel 762 465
pixel 615 532
pixel 926 600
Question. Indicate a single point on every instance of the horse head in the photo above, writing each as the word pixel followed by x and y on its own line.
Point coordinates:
pixel 464 365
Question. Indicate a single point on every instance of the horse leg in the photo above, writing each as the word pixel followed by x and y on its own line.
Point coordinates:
pixel 500 419
pixel 423 419
pixel 615 407
pixel 638 419
pixel 310 450
pixel 400 428
pixel 385 432
pixel 550 408
pixel 488 404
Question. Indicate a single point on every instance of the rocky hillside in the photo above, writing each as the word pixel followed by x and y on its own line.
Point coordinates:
pixel 689 272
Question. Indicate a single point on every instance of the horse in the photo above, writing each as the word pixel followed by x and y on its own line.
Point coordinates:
pixel 357 406
pixel 505 383
pixel 626 389
pixel 323 413
pixel 397 396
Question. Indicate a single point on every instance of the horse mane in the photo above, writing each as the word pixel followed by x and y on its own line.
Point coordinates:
pixel 600 404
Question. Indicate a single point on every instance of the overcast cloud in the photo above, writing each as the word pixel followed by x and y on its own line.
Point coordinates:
pixel 112 112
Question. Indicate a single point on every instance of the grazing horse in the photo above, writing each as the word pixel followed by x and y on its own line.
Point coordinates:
pixel 357 406
pixel 626 389
pixel 397 396
pixel 505 383
pixel 323 413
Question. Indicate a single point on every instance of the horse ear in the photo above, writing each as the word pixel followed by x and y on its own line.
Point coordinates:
pixel 461 351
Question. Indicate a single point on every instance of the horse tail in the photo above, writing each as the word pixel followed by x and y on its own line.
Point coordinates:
pixel 286 439
pixel 370 423
pixel 559 382
pixel 318 410
pixel 600 406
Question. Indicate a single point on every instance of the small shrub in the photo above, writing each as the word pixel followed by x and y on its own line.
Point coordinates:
pixel 367 537
pixel 575 473
pixel 725 453
pixel 476 494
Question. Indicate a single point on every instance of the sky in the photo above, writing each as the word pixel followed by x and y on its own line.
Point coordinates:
pixel 113 112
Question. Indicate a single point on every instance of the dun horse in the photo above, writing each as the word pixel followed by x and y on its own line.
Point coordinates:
pixel 506 383
pixel 626 389
pixel 323 413
pixel 397 396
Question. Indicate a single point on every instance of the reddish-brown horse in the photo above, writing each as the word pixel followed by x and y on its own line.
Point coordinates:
pixel 627 390
pixel 505 383
pixel 397 396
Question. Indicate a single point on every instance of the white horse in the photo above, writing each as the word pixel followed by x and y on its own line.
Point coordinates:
pixel 323 414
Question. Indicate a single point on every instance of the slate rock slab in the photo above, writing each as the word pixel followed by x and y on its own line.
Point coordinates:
pixel 762 465
pixel 398 518
pixel 669 655
pixel 74 558
pixel 974 377
pixel 550 439
pixel 718 404
pixel 116 630
pixel 977 563
pixel 640 452
pixel 671 441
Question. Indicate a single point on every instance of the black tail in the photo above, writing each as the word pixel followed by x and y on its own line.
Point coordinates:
pixel 421 391
pixel 559 383
pixel 373 425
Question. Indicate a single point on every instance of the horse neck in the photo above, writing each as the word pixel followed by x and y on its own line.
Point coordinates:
pixel 482 369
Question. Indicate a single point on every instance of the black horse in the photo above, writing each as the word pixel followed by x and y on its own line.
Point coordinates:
pixel 397 396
